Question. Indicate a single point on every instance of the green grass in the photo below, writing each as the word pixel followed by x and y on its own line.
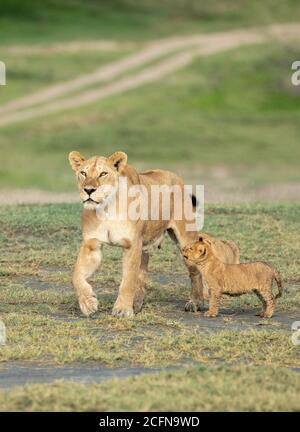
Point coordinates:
pixel 44 323
pixel 201 388
pixel 236 109
pixel 70 19
pixel 30 72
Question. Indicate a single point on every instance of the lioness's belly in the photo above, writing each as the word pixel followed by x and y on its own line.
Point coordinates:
pixel 110 232
pixel 123 233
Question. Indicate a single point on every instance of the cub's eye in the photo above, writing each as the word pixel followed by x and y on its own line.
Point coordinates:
pixel 104 173
pixel 83 173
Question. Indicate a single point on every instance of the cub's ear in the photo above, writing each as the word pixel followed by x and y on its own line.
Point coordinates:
pixel 200 239
pixel 206 241
pixel 76 160
pixel 118 160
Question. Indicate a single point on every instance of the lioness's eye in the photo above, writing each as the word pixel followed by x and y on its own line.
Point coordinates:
pixel 104 173
pixel 83 173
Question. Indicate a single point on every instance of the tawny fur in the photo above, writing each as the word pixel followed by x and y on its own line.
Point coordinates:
pixel 226 251
pixel 135 237
pixel 233 279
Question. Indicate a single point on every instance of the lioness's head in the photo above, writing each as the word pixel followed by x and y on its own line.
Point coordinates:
pixel 197 251
pixel 97 176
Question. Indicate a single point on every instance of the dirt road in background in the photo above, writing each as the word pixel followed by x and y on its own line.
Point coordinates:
pixel 45 102
pixel 154 61
pixel 232 192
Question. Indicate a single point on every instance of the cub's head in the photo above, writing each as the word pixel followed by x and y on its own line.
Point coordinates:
pixel 198 251
pixel 97 177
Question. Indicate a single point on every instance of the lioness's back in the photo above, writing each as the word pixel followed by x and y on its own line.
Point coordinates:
pixel 160 177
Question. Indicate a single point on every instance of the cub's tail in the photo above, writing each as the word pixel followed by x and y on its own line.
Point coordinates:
pixel 278 279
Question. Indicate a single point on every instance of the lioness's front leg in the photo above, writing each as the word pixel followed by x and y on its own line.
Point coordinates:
pixel 87 263
pixel 130 280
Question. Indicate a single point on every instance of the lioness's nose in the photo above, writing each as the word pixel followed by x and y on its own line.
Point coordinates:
pixel 89 191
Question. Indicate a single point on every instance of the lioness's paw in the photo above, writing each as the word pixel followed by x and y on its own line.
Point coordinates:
pixel 191 306
pixel 210 314
pixel 88 304
pixel 123 312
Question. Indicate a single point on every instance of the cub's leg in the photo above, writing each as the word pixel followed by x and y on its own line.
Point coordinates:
pixel 264 305
pixel 182 237
pixel 141 289
pixel 88 261
pixel 129 287
pixel 269 303
pixel 214 303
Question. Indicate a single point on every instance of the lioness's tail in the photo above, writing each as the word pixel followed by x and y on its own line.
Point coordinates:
pixel 278 279
pixel 194 201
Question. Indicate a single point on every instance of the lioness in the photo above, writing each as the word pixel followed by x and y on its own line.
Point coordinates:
pixel 233 279
pixel 94 175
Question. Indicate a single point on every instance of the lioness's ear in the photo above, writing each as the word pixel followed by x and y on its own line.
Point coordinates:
pixel 76 160
pixel 208 242
pixel 118 160
pixel 201 239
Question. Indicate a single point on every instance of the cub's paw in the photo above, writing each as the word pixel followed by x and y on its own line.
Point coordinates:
pixel 123 312
pixel 192 306
pixel 88 304
pixel 210 314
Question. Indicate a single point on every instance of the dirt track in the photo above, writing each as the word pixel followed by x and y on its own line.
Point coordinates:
pixel 279 192
pixel 169 55
pixel 190 46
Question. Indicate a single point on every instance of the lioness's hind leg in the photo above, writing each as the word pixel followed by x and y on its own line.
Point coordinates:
pixel 196 301
pixel 88 261
pixel 141 290
pixel 182 237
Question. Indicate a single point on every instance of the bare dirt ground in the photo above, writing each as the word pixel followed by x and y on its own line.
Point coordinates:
pixel 68 47
pixel 228 193
pixel 21 373
pixel 221 185
pixel 16 373
pixel 193 46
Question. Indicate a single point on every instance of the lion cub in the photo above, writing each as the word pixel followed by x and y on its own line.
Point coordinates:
pixel 226 250
pixel 233 279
